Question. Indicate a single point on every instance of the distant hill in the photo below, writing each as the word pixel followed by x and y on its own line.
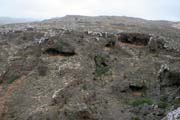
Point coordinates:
pixel 112 24
pixel 7 20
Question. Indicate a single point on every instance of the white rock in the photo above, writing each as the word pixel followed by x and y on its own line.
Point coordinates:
pixel 173 115
pixel 164 67
pixel 56 93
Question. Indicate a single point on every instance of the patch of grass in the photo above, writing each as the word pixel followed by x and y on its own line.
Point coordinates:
pixel 12 79
pixel 100 60
pixel 177 100
pixel 163 105
pixel 101 71
pixel 135 118
pixel 101 65
pixel 141 101
pixel 60 45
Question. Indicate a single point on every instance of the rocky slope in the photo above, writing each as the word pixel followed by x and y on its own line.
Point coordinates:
pixel 90 68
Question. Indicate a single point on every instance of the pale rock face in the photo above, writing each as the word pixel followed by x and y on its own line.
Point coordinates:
pixel 177 26
pixel 156 42
pixel 164 67
pixel 173 115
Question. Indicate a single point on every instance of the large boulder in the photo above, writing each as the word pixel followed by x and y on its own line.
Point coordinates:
pixel 173 115
pixel 169 77
pixel 156 43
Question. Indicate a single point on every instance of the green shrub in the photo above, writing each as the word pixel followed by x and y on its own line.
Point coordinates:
pixel 12 78
pixel 141 101
pixel 101 71
pixel 99 60
pixel 177 100
pixel 162 105
pixel 101 65
pixel 60 45
pixel 136 118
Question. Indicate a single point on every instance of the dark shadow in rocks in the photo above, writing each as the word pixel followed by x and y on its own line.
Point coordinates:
pixel 174 77
pixel 136 87
pixel 169 77
pixel 111 43
pixel 55 52
pixel 60 48
pixel 134 38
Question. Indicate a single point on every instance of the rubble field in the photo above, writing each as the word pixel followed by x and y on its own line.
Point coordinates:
pixel 83 68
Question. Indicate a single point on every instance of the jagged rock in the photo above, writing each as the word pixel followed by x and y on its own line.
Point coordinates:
pixel 169 77
pixel 41 40
pixel 163 70
pixel 173 115
pixel 94 33
pixel 105 34
pixel 156 43
pixel 97 39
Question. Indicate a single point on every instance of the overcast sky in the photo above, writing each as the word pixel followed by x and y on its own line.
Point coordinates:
pixel 43 9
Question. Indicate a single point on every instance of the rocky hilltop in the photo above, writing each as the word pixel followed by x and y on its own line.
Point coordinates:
pixel 90 68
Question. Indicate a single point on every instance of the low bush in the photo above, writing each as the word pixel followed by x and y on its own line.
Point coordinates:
pixel 141 101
